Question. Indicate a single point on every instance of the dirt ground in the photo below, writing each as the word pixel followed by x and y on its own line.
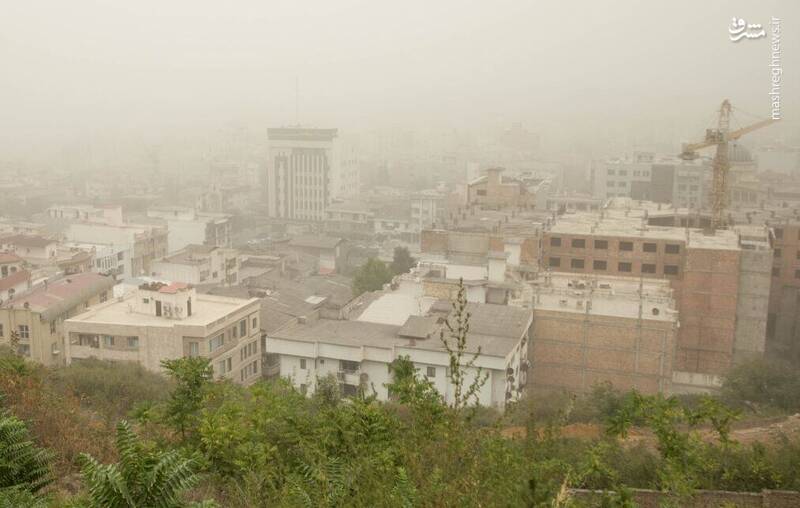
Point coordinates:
pixel 744 432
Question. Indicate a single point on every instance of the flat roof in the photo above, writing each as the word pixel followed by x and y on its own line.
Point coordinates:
pixel 632 224
pixel 55 297
pixel 205 310
pixel 609 296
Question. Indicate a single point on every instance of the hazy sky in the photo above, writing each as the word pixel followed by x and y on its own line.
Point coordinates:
pixel 77 69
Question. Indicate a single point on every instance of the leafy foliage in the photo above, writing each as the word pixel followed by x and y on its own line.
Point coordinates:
pixel 371 276
pixel 23 465
pixel 770 383
pixel 191 376
pixel 402 261
pixel 143 477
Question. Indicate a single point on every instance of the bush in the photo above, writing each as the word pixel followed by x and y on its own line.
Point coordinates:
pixel 763 382
pixel 111 388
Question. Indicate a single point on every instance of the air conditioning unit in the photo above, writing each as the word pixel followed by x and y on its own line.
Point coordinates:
pixel 178 311
pixel 167 310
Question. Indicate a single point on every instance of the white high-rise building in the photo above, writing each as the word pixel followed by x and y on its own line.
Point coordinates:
pixel 302 174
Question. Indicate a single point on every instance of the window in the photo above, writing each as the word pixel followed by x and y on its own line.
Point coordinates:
pixel 670 269
pixel 672 248
pixel 576 263
pixel 627 246
pixel 612 172
pixel 1 330
pixel 776 272
pixel 133 342
pixel 650 247
pixel 243 328
pixel 52 327
pixel 481 192
pixel 778 233
pixel 624 267
pixel 554 262
pixel 145 300
pixel 24 332
pixel 601 244
pixel 224 366
pixel 430 372
pixel 777 253
pixel 24 349
pixel 216 342
pixel 103 296
pixel 578 243
pixel 648 268
pixel 120 256
pixel 599 264
pixel 797 274
pixel 555 241
pixel 194 349
pixel 797 255
pixel 303 389
pixel 622 184
pixel 255 323
pixel 108 341
pixel 349 366
pixel 302 364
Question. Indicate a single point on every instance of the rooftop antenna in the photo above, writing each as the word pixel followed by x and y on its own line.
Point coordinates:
pixel 297 101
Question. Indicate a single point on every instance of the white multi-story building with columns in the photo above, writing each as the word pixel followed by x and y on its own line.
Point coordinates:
pixel 302 174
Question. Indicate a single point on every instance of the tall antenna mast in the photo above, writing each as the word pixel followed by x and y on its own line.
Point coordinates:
pixel 297 101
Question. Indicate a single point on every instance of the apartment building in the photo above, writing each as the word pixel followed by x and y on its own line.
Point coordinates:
pixel 493 190
pixel 14 278
pixel 710 273
pixel 783 328
pixel 145 243
pixel 34 249
pixel 358 353
pixel 38 314
pixel 159 321
pixel 199 264
pixel 302 175
pixel 187 226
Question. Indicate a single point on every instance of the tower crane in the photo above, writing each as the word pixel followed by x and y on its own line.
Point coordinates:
pixel 720 136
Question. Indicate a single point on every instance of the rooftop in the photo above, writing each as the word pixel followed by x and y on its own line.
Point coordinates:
pixel 192 254
pixel 53 298
pixel 315 241
pixel 604 296
pixel 34 241
pixel 495 329
pixel 206 309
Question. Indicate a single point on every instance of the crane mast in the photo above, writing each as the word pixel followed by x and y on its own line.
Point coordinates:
pixel 720 136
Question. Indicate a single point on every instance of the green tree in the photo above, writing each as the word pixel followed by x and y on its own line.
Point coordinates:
pixel 142 477
pixel 402 262
pixel 371 277
pixel 191 376
pixel 462 362
pixel 23 465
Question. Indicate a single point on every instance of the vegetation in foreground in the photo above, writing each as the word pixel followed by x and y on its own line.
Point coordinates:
pixel 83 436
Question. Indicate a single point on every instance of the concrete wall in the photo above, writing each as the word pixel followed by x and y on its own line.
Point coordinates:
pixel 753 304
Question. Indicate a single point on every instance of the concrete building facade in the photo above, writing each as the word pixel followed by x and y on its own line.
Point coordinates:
pixel 302 173
pixel 37 315
pixel 160 321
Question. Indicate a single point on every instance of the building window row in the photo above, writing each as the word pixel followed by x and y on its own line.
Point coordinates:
pixel 623 245
pixel 622 266
pixel 248 350
pixel 248 370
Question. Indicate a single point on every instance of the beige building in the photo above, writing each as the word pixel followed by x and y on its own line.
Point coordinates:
pixel 160 321
pixel 37 316
pixel 199 264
